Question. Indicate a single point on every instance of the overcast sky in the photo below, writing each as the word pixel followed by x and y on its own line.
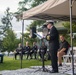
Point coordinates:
pixel 13 5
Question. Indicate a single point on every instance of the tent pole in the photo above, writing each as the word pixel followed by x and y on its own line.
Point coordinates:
pixel 22 41
pixel 71 35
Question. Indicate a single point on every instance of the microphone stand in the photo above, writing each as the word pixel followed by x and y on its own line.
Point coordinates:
pixel 43 64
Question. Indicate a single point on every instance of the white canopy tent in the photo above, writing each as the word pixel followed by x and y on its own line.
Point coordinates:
pixel 54 10
pixel 51 9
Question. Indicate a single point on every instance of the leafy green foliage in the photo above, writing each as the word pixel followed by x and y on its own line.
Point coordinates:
pixel 10 42
pixel 37 2
pixel 30 3
pixel 27 38
pixel 67 25
pixel 6 20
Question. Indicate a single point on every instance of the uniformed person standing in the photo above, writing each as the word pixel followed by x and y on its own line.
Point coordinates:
pixel 53 38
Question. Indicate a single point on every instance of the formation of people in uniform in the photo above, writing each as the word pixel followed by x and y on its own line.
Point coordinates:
pixel 31 52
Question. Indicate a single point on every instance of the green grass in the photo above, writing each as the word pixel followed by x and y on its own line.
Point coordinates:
pixel 11 64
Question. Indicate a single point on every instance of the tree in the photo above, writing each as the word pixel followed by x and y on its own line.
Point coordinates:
pixel 30 3
pixel 67 25
pixel 37 2
pixel 6 24
pixel 1 36
pixel 10 42
pixel 27 38
pixel 6 20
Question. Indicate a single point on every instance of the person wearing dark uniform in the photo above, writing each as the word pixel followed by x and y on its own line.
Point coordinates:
pixel 27 50
pixel 34 49
pixel 64 45
pixel 53 38
pixel 42 50
pixel 18 50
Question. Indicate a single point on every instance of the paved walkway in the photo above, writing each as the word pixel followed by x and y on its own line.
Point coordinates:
pixel 36 70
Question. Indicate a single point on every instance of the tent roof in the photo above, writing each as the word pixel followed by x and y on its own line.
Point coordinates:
pixel 51 9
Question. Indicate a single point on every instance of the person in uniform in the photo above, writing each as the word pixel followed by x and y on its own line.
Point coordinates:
pixel 18 50
pixel 53 38
pixel 27 49
pixel 34 50
pixel 43 50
